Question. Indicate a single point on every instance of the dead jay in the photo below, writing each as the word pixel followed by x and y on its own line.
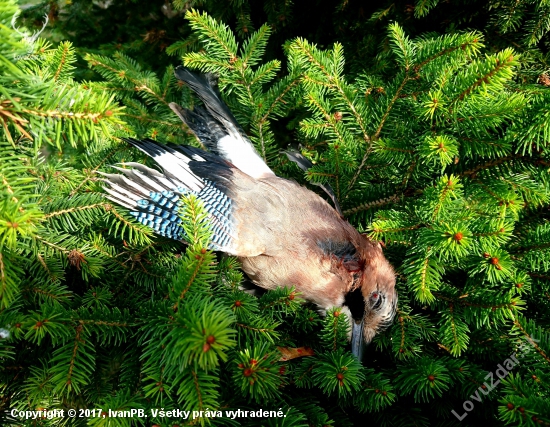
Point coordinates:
pixel 282 233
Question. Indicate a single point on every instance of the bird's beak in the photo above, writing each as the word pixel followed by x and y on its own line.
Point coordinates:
pixel 357 340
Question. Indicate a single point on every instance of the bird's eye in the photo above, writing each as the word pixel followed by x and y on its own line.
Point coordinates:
pixel 376 300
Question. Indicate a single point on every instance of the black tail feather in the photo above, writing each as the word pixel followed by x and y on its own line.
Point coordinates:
pixel 207 130
pixel 206 88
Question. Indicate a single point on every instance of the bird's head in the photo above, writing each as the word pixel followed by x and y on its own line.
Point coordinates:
pixel 371 301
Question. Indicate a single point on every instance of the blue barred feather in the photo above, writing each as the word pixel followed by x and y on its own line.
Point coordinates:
pixel 160 212
pixel 159 209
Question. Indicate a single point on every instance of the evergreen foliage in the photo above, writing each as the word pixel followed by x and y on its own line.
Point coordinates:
pixel 438 147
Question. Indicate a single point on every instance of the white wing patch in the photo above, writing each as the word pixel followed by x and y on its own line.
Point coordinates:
pixel 243 156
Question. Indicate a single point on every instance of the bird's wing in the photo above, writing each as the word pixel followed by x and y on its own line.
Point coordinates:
pixel 154 197
pixel 217 128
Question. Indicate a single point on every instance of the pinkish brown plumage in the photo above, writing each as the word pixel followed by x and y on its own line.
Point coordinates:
pixel 282 233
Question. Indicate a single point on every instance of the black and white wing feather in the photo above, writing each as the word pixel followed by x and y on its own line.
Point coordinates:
pixel 154 198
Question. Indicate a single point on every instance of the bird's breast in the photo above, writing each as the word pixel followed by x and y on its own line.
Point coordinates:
pixel 310 276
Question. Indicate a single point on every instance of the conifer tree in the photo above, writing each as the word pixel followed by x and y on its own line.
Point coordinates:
pixel 442 155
